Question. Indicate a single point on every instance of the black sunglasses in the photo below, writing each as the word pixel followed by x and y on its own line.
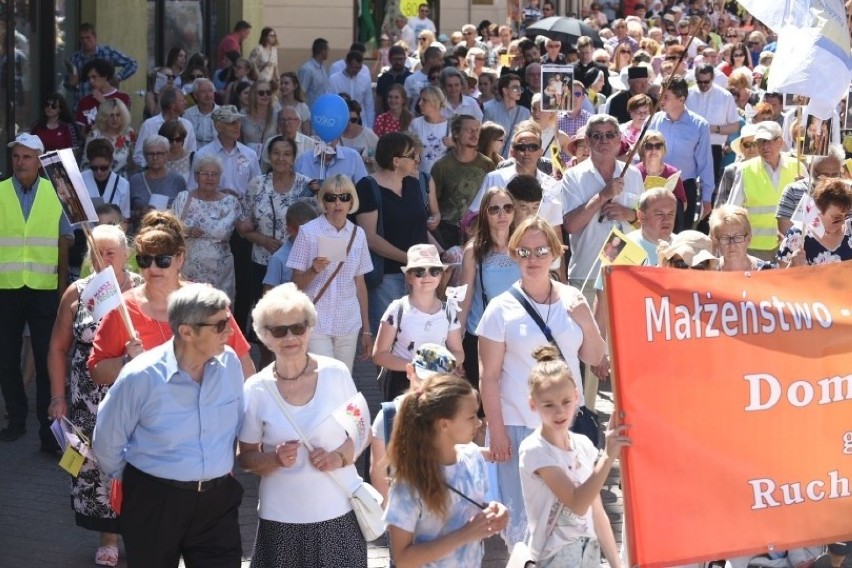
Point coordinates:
pixel 161 260
pixel 530 147
pixel 654 145
pixel 263 92
pixel 53 104
pixel 420 271
pixel 332 197
pixel 99 168
pixel 279 331
pixel 354 120
pixel 218 325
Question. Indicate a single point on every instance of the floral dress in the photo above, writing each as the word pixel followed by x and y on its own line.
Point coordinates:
pixel 208 257
pixel 266 209
pixel 815 252
pixel 89 495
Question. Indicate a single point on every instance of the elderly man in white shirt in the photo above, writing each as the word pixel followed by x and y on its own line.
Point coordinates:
pixel 172 105
pixel 354 84
pixel 199 115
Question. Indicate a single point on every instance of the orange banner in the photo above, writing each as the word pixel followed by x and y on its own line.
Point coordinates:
pixel 738 390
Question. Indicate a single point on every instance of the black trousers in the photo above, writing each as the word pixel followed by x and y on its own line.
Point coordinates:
pixel 243 274
pixel 160 523
pixel 38 309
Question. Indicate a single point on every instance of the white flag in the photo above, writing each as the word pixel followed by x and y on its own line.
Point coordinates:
pixel 811 220
pixel 102 294
pixel 354 416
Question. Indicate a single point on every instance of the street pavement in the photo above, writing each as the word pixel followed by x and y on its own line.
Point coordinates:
pixel 37 524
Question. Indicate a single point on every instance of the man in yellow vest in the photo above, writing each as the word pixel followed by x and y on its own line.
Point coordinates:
pixel 758 187
pixel 34 240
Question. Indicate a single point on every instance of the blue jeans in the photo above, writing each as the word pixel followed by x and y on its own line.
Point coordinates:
pixel 380 297
pixel 511 495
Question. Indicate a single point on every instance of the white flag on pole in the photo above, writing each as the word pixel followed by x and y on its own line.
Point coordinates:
pixel 354 416
pixel 102 294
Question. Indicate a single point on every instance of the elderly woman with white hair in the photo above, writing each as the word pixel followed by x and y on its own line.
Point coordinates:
pixel 156 187
pixel 344 324
pixel 210 216
pixel 70 345
pixel 304 517
pixel 290 126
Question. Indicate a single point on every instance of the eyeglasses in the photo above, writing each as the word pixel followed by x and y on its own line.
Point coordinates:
pixel 540 252
pixel 654 145
pixel 728 239
pixel 704 82
pixel 263 92
pixel 420 271
pixel 209 174
pixel 507 208
pixel 515 88
pixel 764 141
pixel 161 260
pixel 169 77
pixel 678 263
pixel 739 55
pixel 579 93
pixel 53 105
pixel 529 147
pixel 409 156
pixel 155 154
pixel 598 136
pixel 354 120
pixel 279 331
pixel 99 168
pixel 332 197
pixel 748 145
pixel 219 326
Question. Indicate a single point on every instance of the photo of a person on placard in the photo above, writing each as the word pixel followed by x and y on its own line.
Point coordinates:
pixel 817 135
pixel 846 118
pixel 556 84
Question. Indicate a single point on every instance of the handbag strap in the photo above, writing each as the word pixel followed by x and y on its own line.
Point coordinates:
pixel 189 196
pixel 114 186
pixel 276 396
pixel 482 287
pixel 536 318
pixel 339 266
pixel 465 497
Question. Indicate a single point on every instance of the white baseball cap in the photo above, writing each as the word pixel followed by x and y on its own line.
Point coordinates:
pixel 31 141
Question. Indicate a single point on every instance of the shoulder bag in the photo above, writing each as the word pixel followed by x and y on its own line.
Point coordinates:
pixel 586 422
pixel 366 501
pixel 339 266
pixel 383 380
pixel 521 556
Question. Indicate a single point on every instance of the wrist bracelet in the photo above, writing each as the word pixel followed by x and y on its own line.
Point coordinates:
pixel 55 398
pixel 342 458
pixel 366 333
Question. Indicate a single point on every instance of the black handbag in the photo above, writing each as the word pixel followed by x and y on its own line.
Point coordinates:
pixel 587 421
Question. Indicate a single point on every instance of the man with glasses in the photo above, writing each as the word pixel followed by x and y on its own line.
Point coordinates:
pixel 421 21
pixel 507 112
pixel 457 176
pixel 32 227
pixel 759 185
pixel 553 53
pixel 90 50
pixel 189 390
pixel 547 9
pixel 717 106
pixel 745 149
pixel 172 107
pixel 396 74
pixel 687 138
pixel 828 166
pixel 358 86
pixel 200 115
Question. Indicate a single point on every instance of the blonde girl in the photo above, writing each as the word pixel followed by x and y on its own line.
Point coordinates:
pixel 560 480
pixel 435 514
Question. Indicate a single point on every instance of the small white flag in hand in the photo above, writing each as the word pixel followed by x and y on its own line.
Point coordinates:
pixel 102 294
pixel 810 217
pixel 354 416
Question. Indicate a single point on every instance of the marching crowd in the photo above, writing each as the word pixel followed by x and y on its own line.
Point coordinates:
pixel 451 232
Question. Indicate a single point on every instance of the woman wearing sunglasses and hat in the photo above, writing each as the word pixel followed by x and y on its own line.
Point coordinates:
pixel 343 326
pixel 427 320
pixel 160 254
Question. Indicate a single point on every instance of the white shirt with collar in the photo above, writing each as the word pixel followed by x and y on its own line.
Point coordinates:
pixel 205 131
pixel 502 177
pixel 717 106
pixel 579 185
pixel 239 166
pixel 150 128
pixel 360 89
pixel 468 105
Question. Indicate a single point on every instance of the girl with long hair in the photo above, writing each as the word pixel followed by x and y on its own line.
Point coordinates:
pixel 398 118
pixel 290 94
pixel 561 481
pixel 261 120
pixel 56 126
pixel 491 138
pixel 435 511
pixel 265 55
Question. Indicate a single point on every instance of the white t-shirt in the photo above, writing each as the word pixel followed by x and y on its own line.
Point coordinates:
pixel 432 136
pixel 505 320
pixel 418 327
pixel 406 510
pixel 541 504
pixel 301 493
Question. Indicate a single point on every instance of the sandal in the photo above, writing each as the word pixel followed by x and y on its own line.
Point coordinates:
pixel 107 556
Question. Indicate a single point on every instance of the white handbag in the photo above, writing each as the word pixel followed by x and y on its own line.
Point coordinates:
pixel 521 556
pixel 366 501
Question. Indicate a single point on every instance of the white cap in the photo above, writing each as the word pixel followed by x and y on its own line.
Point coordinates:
pixel 31 141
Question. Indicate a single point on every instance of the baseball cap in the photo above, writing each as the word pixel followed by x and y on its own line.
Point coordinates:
pixel 767 130
pixel 433 359
pixel 226 113
pixel 31 141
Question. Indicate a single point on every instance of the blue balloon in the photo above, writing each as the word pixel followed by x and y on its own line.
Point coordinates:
pixel 329 117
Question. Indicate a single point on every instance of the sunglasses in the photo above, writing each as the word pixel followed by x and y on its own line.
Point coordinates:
pixel 161 260
pixel 707 82
pixel 332 197
pixel 420 271
pixel 51 105
pixel 678 263
pixel 197 76
pixel 579 93
pixel 507 208
pixel 598 136
pixel 540 252
pixel 218 326
pixel 529 147
pixel 654 145
pixel 739 55
pixel 99 168
pixel 354 120
pixel 748 145
pixel 263 93
pixel 279 331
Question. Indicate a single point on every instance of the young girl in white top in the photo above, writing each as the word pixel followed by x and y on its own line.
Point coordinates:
pixel 560 480
pixel 435 514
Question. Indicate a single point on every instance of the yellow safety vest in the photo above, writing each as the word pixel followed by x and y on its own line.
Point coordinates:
pixel 761 200
pixel 29 250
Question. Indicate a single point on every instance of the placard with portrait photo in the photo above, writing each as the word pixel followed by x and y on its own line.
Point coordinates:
pixel 557 82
